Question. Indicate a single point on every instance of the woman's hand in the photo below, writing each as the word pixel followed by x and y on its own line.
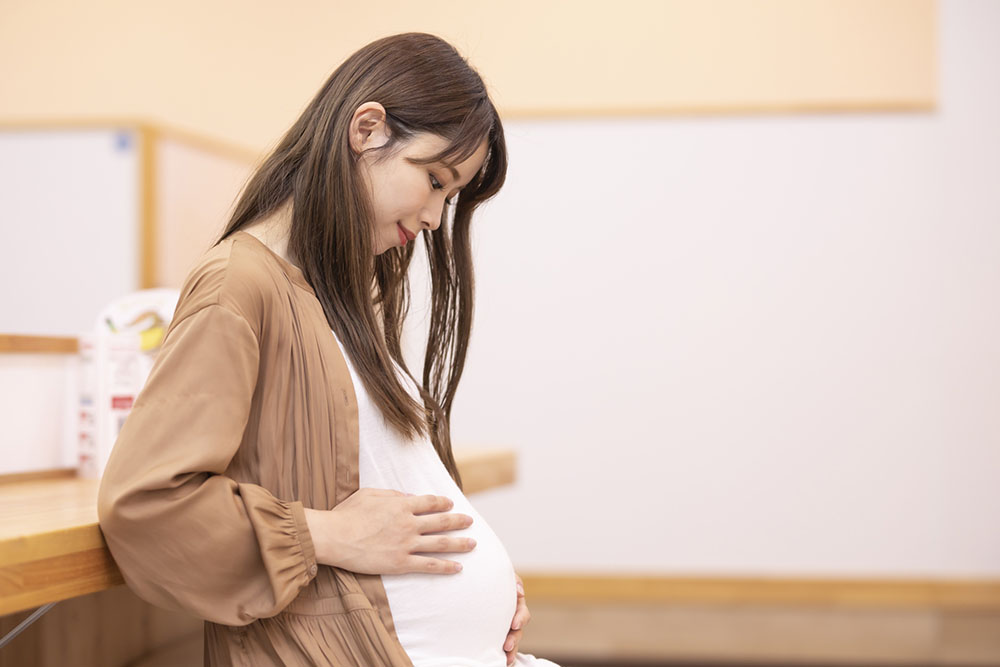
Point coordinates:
pixel 521 617
pixel 376 531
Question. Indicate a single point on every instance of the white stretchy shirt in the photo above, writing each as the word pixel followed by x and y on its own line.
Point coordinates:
pixel 442 620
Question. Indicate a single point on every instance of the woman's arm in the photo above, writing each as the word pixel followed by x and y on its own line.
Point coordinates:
pixel 184 535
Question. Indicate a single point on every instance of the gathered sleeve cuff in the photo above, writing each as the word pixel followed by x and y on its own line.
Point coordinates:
pixel 285 542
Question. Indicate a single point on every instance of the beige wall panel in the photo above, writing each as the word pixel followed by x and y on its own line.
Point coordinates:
pixel 723 55
pixel 196 190
pixel 243 72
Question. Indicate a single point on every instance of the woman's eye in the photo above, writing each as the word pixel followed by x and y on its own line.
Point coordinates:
pixel 436 184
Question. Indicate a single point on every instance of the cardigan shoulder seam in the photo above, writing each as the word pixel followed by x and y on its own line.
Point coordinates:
pixel 223 293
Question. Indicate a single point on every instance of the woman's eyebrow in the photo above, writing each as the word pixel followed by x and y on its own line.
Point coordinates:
pixel 454 172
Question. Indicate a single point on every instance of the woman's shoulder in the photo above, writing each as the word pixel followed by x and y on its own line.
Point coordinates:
pixel 236 273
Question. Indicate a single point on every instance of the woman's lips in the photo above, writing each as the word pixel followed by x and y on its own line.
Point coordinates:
pixel 402 234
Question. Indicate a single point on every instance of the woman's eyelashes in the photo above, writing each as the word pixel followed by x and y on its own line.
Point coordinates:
pixel 436 184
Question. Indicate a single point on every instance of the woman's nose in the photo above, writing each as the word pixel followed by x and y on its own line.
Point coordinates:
pixel 433 214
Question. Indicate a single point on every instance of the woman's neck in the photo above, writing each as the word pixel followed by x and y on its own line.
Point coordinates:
pixel 273 231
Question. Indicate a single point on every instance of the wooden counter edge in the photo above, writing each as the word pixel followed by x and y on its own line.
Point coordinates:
pixel 74 560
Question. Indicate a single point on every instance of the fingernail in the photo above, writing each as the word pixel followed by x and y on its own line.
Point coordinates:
pixel 520 589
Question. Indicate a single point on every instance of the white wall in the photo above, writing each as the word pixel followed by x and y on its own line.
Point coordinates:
pixel 70 213
pixel 761 345
pixel 40 402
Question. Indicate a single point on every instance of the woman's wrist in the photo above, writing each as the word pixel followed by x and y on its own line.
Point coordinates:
pixel 318 524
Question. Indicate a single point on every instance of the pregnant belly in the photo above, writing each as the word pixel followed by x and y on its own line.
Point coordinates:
pixel 459 619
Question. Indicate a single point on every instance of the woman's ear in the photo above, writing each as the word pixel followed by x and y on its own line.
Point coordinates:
pixel 368 127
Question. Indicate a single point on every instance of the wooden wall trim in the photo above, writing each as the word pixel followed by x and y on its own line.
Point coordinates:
pixel 945 593
pixel 165 130
pixel 23 344
pixel 147 138
pixel 209 144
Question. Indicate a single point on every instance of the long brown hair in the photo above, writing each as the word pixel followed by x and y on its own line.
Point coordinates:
pixel 424 85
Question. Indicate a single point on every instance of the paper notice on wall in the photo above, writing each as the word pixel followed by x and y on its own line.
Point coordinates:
pixel 113 372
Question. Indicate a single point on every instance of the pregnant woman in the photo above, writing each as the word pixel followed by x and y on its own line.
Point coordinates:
pixel 282 474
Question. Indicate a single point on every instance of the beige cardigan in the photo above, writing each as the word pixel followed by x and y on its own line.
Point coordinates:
pixel 248 416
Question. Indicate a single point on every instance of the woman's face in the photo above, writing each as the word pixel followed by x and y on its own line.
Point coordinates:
pixel 408 198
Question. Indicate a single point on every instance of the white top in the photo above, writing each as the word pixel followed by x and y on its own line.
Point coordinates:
pixel 442 620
